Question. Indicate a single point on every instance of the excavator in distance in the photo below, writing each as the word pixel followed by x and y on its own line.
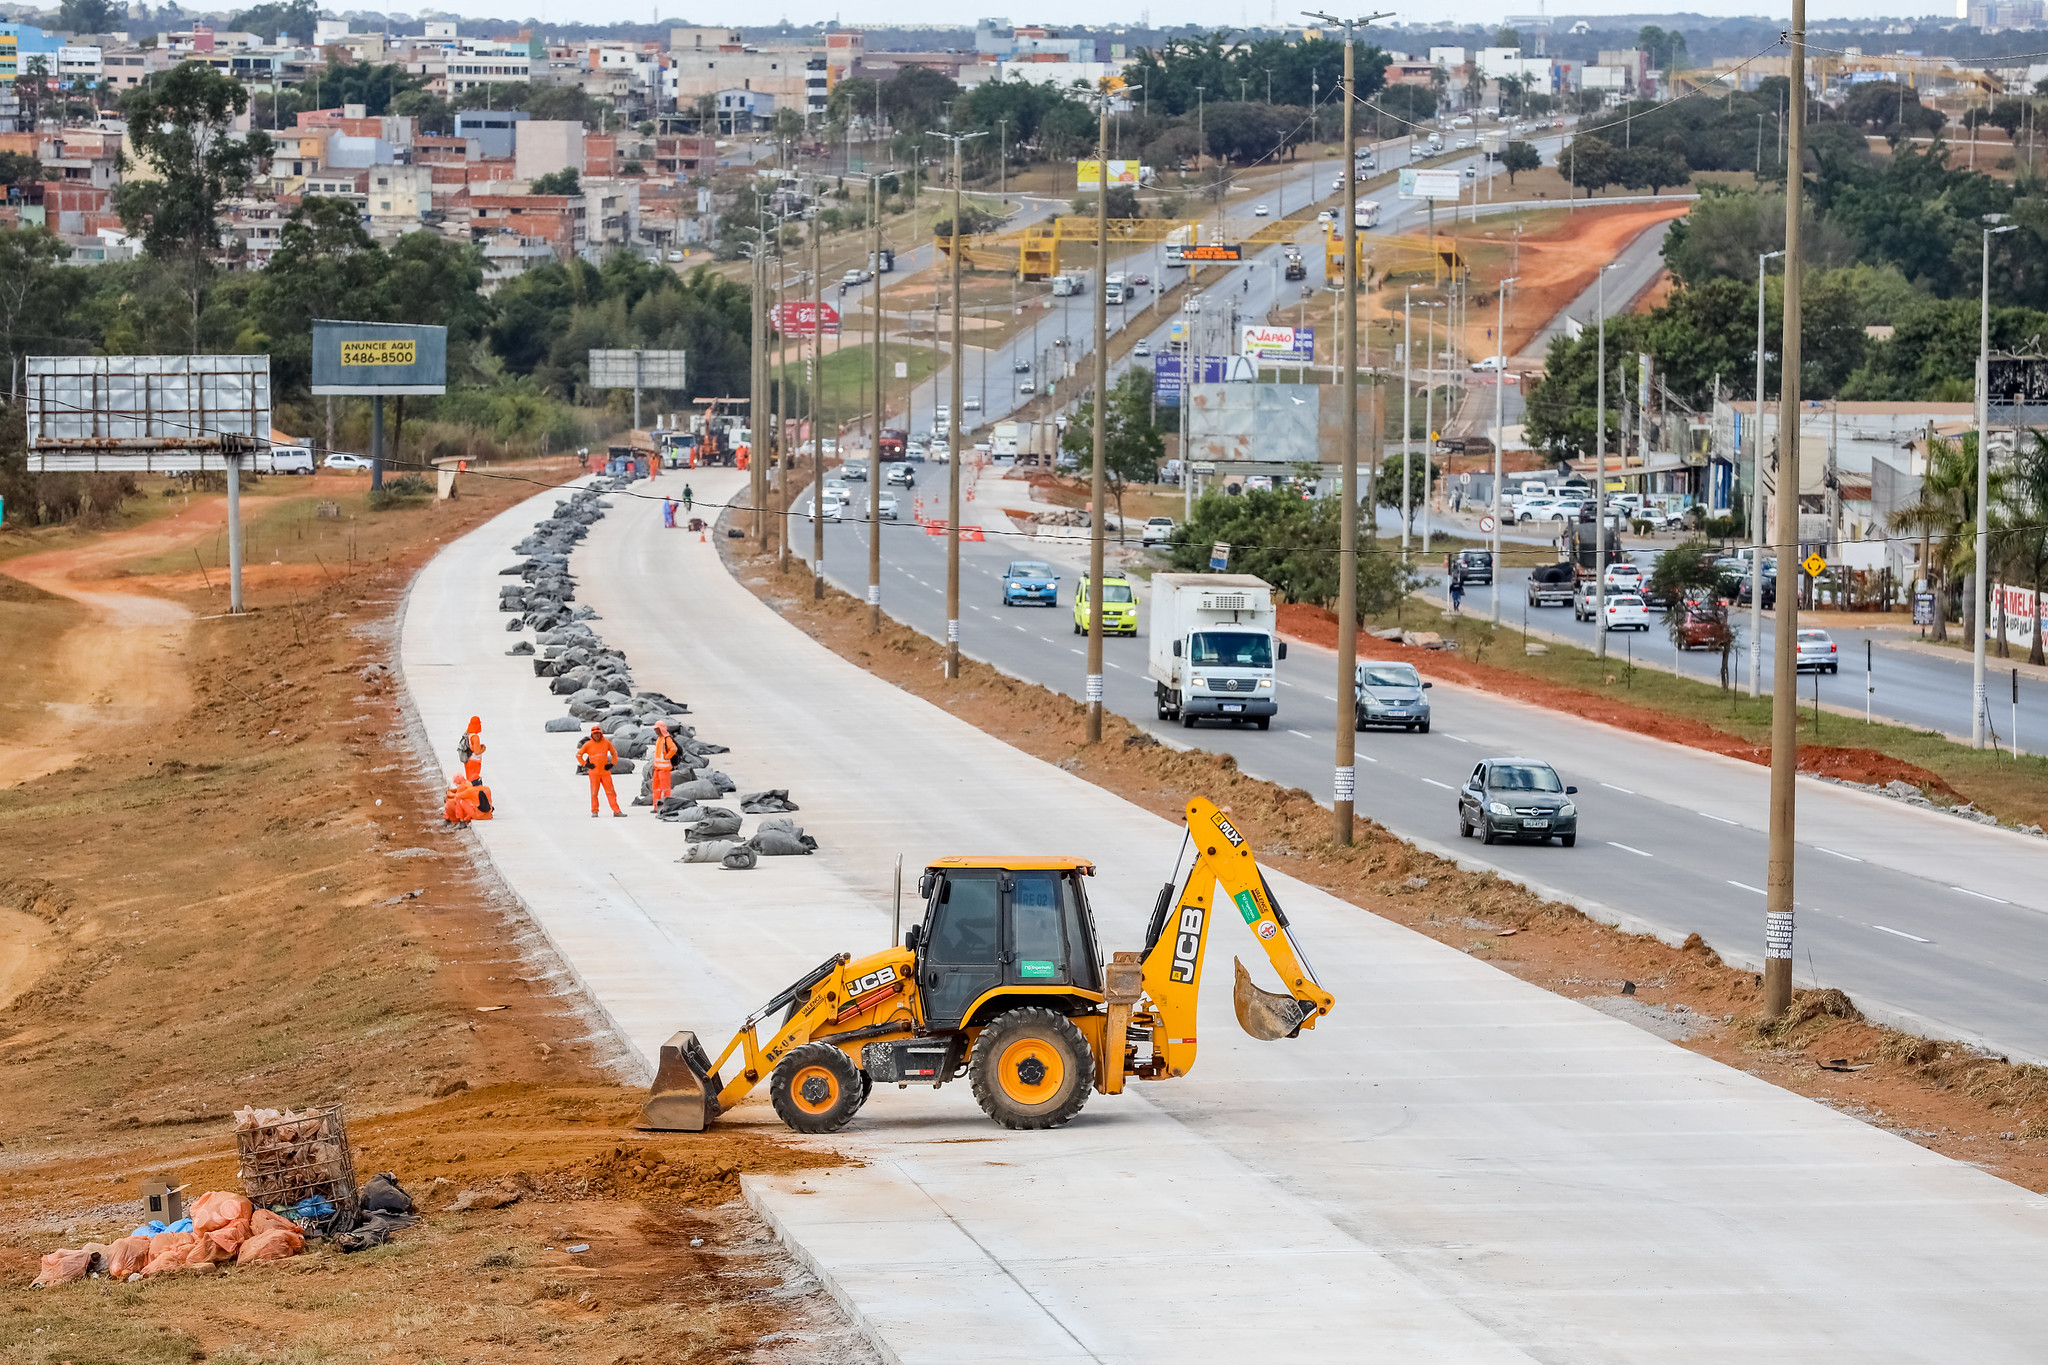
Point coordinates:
pixel 1002 982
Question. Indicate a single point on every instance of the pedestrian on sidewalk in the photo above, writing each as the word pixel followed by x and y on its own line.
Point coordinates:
pixel 470 749
pixel 595 759
pixel 1457 593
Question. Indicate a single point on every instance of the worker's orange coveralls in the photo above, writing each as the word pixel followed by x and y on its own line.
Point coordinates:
pixel 480 797
pixel 474 764
pixel 596 756
pixel 665 751
pixel 460 805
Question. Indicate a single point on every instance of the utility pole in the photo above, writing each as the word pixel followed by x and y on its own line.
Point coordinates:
pixel 1980 714
pixel 881 416
pixel 953 470
pixel 758 407
pixel 1345 777
pixel 817 427
pixel 1098 479
pixel 1756 495
pixel 1778 924
pixel 1500 384
pixel 1599 473
pixel 1407 419
pixel 778 402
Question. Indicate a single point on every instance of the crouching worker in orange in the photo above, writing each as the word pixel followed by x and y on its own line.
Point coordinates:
pixel 480 797
pixel 595 758
pixel 665 752
pixel 470 749
pixel 460 806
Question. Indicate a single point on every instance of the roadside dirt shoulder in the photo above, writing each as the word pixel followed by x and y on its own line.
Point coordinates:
pixel 1942 1095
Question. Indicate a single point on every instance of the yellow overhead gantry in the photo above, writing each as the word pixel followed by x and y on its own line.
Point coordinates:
pixel 1034 253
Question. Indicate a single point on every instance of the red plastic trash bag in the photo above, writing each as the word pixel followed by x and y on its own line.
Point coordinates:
pixel 276 1244
pixel 62 1267
pixel 263 1220
pixel 127 1257
pixel 218 1209
pixel 167 1251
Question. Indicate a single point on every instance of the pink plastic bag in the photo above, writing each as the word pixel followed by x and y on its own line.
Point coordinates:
pixel 127 1257
pixel 218 1209
pixel 277 1244
pixel 62 1267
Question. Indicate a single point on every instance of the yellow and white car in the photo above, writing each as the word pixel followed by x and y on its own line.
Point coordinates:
pixel 1119 606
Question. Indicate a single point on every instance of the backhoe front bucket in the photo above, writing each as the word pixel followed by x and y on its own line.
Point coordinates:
pixel 684 1097
pixel 1262 1014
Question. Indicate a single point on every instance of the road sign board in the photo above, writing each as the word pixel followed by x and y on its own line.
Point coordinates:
pixel 1280 347
pixel 1212 251
pixel 1814 565
pixel 1465 479
pixel 903 369
pixel 351 358
pixel 638 369
pixel 799 318
pixel 1219 556
pixel 1486 525
pixel 1923 608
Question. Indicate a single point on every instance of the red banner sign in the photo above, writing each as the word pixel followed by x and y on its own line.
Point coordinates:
pixel 800 318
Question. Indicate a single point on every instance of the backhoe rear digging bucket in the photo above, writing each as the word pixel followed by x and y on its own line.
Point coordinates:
pixel 1262 1014
pixel 684 1098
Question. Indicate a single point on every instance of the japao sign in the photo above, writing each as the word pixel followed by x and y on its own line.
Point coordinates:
pixel 1281 347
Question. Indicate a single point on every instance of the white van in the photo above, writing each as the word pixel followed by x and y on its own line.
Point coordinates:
pixel 284 460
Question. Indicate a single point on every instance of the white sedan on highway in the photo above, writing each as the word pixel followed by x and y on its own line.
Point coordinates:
pixel 1625 611
pixel 1624 578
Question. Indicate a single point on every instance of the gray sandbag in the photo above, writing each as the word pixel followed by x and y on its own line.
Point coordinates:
pixel 768 802
pixel 523 647
pixel 584 711
pixel 781 822
pixel 710 851
pixel 715 778
pixel 563 684
pixel 622 766
pixel 740 858
pixel 562 725
pixel 780 843
pixel 696 790
pixel 717 823
pixel 678 811
pixel 515 624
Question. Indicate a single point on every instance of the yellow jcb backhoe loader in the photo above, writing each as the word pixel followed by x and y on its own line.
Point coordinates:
pixel 1002 981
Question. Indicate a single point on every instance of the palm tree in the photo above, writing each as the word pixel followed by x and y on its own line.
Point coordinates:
pixel 2021 546
pixel 1945 514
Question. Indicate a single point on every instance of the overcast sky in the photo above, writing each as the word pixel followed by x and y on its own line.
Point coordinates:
pixel 1210 12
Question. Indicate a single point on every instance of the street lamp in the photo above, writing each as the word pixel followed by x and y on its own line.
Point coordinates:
pixel 1600 469
pixel 1756 495
pixel 1500 384
pixel 953 426
pixel 1978 712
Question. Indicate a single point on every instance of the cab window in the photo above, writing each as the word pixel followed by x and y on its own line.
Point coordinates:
pixel 1038 949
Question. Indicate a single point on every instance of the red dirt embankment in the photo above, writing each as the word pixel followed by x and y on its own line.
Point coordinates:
pixel 1317 626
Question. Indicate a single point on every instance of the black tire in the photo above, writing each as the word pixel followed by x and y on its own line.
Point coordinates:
pixel 1358 724
pixel 1424 727
pixel 1486 835
pixel 1031 1068
pixel 817 1089
pixel 1464 830
pixel 1187 721
pixel 1568 840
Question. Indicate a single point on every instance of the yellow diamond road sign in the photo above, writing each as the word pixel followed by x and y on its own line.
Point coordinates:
pixel 1814 565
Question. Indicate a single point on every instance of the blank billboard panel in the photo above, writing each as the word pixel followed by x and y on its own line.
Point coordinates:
pixel 144 411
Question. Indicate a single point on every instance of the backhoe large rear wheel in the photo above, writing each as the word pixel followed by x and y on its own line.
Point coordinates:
pixel 817 1089
pixel 1031 1068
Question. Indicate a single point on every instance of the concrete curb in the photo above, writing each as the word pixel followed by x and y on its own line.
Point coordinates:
pixel 753 1191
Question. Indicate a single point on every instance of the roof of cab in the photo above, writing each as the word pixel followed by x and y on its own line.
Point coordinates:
pixel 1018 862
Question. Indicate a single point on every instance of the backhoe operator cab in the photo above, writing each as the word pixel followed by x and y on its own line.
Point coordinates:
pixel 1003 982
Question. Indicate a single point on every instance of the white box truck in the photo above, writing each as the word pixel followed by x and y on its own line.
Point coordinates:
pixel 1213 648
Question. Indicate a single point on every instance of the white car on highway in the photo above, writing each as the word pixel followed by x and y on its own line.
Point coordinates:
pixel 1260 212
pixel 1545 509
pixel 1624 578
pixel 829 507
pixel 885 505
pixel 1158 531
pixel 1818 653
pixel 1626 611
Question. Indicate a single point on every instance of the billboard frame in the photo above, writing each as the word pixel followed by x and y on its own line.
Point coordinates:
pixel 425 372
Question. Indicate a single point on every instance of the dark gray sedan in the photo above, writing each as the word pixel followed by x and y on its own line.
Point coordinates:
pixel 1517 798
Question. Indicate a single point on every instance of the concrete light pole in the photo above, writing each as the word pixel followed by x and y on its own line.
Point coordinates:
pixel 1407 420
pixel 953 425
pixel 1756 496
pixel 1500 384
pixel 817 426
pixel 1345 777
pixel 1098 481
pixel 1979 713
pixel 1778 924
pixel 881 416
pixel 1600 471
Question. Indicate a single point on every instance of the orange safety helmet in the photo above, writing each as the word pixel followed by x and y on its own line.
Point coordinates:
pixel 476 725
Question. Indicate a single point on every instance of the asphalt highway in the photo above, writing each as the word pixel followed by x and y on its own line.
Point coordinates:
pixel 1924 918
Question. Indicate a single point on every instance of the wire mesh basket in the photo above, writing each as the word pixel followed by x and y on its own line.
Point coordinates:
pixel 299 1165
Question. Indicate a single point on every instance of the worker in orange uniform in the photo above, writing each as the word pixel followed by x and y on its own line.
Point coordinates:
pixel 470 749
pixel 665 751
pixel 459 807
pixel 595 758
pixel 480 797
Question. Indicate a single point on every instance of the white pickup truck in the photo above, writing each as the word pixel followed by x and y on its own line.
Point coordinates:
pixel 1212 649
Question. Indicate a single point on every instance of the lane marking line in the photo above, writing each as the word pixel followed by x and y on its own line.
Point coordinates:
pixel 1623 790
pixel 1979 895
pixel 1843 856
pixel 1721 819
pixel 1454 737
pixel 1434 783
pixel 1747 887
pixel 1626 849
pixel 1901 933
pixel 1298 732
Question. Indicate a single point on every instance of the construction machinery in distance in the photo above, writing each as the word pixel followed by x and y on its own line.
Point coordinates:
pixel 1002 982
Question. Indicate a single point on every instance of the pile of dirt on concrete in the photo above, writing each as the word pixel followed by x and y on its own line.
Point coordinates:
pixel 1943 1095
pixel 1317 626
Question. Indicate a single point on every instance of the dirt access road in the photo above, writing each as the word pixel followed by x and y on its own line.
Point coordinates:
pixel 236 889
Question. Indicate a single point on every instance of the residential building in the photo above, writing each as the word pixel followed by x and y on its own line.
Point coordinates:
pixel 707 39
pixel 556 219
pixel 782 74
pixel 545 146
pixel 494 131
pixel 508 254
pixel 744 111
pixel 124 68
pixel 845 49
pixel 400 194
pixel 681 155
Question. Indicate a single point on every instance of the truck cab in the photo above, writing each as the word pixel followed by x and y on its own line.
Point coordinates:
pixel 1213 648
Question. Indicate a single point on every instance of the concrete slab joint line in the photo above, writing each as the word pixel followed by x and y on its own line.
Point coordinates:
pixel 1455 1166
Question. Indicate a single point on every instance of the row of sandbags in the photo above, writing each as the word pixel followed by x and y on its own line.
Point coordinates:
pixel 597 684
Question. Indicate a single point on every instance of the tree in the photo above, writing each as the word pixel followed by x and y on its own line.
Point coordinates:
pixel 564 181
pixel 1292 544
pixel 180 122
pixel 1519 156
pixel 88 16
pixel 19 168
pixel 916 98
pixel 1889 108
pixel 1651 168
pixel 1695 614
pixel 26 258
pixel 1507 93
pixel 1421 474
pixel 1590 163
pixel 1665 46
pixel 1945 516
pixel 1508 37
pixel 293 19
pixel 1132 446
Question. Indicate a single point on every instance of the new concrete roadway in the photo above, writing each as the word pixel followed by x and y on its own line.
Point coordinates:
pixel 1934 922
pixel 1455 1166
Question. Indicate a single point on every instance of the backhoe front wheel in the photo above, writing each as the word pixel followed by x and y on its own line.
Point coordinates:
pixel 1031 1068
pixel 817 1089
